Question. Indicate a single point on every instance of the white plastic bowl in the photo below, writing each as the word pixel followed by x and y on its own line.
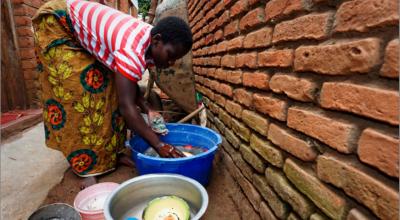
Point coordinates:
pixel 90 202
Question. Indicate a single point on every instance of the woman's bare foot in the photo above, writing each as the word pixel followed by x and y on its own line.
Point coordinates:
pixel 125 160
pixel 87 181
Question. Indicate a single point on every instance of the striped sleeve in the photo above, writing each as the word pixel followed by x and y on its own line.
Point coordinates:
pixel 126 62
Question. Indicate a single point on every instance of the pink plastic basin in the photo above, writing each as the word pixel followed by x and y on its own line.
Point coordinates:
pixel 90 201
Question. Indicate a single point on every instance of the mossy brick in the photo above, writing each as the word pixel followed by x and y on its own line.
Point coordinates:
pixel 232 138
pixel 360 182
pixel 293 216
pixel 300 204
pixel 270 153
pixel 289 141
pixel 324 197
pixel 239 199
pixel 253 159
pixel 280 208
pixel 221 127
pixel 210 115
pixel 318 216
pixel 240 129
pixel 250 192
pixel 243 166
pixel 255 121
pixel 240 167
pixel 234 108
pixel 358 214
pixel 266 213
pixel 228 147
pixel 225 117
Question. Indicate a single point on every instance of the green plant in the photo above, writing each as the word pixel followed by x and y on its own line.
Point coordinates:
pixel 144 6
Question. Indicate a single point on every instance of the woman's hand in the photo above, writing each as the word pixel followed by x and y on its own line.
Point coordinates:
pixel 168 151
pixel 153 114
pixel 157 123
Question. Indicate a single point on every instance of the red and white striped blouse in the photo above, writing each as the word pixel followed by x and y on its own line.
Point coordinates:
pixel 118 40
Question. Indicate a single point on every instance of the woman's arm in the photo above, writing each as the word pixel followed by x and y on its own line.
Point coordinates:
pixel 127 96
pixel 141 102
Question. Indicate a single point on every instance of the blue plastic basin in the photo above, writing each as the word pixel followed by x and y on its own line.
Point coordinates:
pixel 197 167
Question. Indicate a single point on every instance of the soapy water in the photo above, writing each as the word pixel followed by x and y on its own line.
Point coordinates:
pixel 187 150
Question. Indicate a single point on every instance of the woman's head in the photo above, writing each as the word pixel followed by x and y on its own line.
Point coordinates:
pixel 171 39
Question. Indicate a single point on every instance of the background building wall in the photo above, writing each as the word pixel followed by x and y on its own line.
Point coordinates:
pixel 24 10
pixel 305 93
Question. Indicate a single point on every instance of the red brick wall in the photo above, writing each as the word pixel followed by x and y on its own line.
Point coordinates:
pixel 305 93
pixel 23 13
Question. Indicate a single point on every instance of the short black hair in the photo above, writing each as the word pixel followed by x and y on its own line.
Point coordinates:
pixel 174 30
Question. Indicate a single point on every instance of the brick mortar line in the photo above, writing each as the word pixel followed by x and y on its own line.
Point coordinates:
pixel 361 121
pixel 24 3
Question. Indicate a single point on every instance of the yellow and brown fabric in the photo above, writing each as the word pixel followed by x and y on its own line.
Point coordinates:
pixel 80 108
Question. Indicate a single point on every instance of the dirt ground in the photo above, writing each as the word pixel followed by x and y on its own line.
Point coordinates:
pixel 220 205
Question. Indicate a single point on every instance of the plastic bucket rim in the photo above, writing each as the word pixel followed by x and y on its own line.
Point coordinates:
pixel 198 156
pixel 93 212
pixel 219 139
pixel 218 136
pixel 140 139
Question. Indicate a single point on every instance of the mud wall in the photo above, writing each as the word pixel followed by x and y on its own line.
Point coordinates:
pixel 177 81
pixel 305 93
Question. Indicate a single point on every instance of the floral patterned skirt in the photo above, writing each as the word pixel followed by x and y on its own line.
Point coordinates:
pixel 80 107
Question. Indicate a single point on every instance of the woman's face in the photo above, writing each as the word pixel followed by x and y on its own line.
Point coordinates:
pixel 165 55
